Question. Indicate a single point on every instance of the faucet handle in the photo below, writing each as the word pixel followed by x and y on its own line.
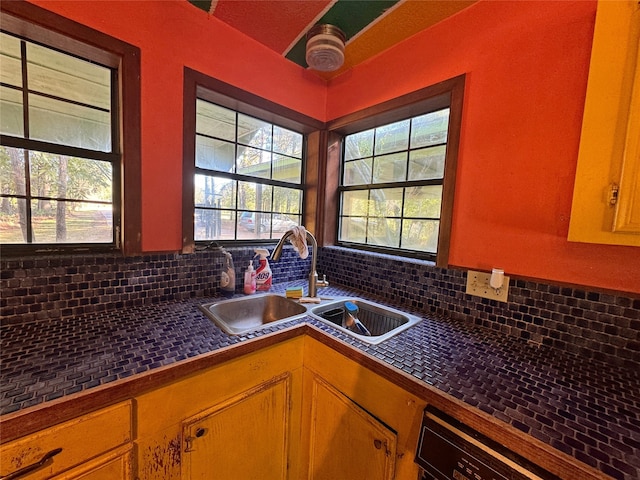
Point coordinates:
pixel 323 282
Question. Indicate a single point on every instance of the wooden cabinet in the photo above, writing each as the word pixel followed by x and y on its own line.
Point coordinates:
pixel 345 440
pixel 96 446
pixel 244 437
pixel 357 423
pixel 239 420
pixel 606 198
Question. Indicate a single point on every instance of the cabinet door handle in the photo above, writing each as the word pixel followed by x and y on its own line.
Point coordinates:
pixel 34 466
pixel 188 441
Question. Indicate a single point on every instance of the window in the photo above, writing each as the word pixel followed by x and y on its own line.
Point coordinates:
pixel 61 147
pixel 248 181
pixel 246 162
pixel 393 177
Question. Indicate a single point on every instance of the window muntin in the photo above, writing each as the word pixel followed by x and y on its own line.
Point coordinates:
pixel 248 175
pixel 392 184
pixel 58 163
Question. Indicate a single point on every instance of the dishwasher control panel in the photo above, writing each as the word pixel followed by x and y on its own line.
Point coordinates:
pixel 449 450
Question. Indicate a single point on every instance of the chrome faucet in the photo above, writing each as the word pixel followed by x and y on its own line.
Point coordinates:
pixel 313 275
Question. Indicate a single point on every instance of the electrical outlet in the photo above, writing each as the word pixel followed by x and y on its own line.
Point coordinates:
pixel 478 285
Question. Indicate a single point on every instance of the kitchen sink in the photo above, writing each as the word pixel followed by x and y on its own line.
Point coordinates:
pixel 382 322
pixel 243 315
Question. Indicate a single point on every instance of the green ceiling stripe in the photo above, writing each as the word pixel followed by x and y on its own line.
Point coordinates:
pixel 350 15
pixel 202 4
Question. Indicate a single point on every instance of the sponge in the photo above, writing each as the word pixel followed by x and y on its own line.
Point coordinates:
pixel 294 292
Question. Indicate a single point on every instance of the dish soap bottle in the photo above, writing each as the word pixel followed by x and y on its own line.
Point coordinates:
pixel 228 276
pixel 263 274
pixel 250 279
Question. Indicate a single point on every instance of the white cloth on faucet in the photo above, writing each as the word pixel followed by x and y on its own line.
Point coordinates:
pixel 299 241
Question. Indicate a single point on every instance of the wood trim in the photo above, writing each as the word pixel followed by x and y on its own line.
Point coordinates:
pixel 314 185
pixel 451 167
pixel 330 196
pixel 233 97
pixel 448 93
pixel 188 164
pixel 412 104
pixel 199 85
pixel 36 23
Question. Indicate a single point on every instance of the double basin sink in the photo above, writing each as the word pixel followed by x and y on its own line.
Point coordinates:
pixel 241 316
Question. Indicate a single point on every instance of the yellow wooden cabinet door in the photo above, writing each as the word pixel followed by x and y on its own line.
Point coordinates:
pixel 606 195
pixel 627 217
pixel 243 438
pixel 346 441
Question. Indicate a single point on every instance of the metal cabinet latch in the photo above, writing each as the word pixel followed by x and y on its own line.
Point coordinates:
pixel 613 193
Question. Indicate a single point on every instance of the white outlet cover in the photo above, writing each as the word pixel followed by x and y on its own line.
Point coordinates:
pixel 478 285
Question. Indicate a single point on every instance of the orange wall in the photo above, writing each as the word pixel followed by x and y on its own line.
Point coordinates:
pixel 204 44
pixel 527 66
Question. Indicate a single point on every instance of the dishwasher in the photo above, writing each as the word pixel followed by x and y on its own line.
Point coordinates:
pixel 450 450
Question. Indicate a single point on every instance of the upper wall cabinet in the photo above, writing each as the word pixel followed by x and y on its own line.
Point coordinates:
pixel 606 197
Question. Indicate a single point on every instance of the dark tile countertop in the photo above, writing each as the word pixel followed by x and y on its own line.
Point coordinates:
pixel 586 409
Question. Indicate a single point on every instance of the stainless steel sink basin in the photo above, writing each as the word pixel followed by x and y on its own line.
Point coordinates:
pixel 243 315
pixel 381 321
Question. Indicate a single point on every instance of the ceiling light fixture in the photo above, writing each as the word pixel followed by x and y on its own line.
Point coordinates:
pixel 325 48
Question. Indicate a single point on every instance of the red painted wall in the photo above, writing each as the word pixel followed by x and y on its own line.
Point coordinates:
pixel 527 67
pixel 204 44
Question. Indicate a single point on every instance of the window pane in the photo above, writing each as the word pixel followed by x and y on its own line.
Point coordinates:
pixel 215 121
pixel 13 227
pixel 423 202
pixel 214 192
pixel 390 168
pixel 254 132
pixel 263 152
pixel 287 200
pixel 392 137
pixel 254 162
pixel 67 77
pixel 71 222
pixel 12 171
pixel 430 129
pixel 358 145
pixel 59 176
pixel 357 172
pixel 11 71
pixel 427 163
pixel 384 232
pixel 214 224
pixel 68 124
pixel 11 116
pixel 386 202
pixel 254 196
pixel 280 223
pixel 420 235
pixel 287 169
pixel 355 203
pixel 287 142
pixel 353 229
pixel 215 154
pixel 254 222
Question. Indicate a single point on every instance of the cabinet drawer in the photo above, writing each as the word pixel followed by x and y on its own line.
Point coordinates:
pixel 79 440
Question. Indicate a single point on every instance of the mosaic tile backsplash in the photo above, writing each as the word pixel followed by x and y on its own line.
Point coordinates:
pixel 37 288
pixel 593 324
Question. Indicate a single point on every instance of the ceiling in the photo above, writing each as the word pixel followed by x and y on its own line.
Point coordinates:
pixel 371 26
